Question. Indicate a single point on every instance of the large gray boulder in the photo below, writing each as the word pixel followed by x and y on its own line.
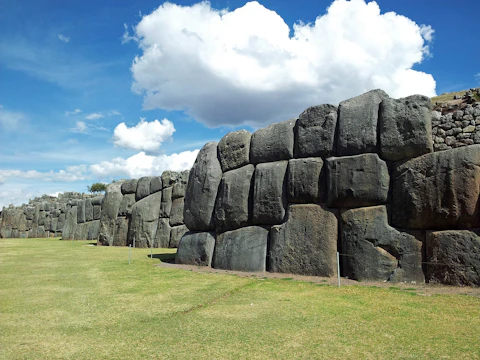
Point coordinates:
pixel 176 212
pixel 315 131
pixel 355 181
pixel 196 249
pixel 156 184
pixel 166 203
pixel 93 227
pixel 405 127
pixel 306 243
pixel 121 230
pixel 97 212
pixel 438 191
pixel 97 200
pixel 376 251
pixel 70 224
pixel 143 187
pixel 273 143
pixel 269 193
pixel 453 258
pixel 176 235
pixel 357 123
pixel 126 205
pixel 169 178
pixel 203 182
pixel 306 180
pixel 234 150
pixel 88 210
pixel 129 186
pixel 180 186
pixel 243 249
pixel 144 222
pixel 111 204
pixel 234 200
pixel 162 237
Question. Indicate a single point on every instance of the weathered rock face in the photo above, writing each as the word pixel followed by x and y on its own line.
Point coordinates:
pixel 275 142
pixel 162 237
pixel 180 186
pixel 176 234
pixel 203 182
pixel 306 180
pixel 453 258
pixel 121 231
pixel 111 204
pixel 155 184
pixel 357 123
pixel 269 193
pixel 234 200
pixel 166 203
pixel 306 243
pixel 355 181
pixel 129 186
pixel 176 213
pixel 70 224
pixel 125 207
pixel 376 251
pixel 143 187
pixel 144 223
pixel 80 212
pixel 88 210
pixel 405 128
pixel 234 150
pixel 196 249
pixel 315 131
pixel 243 249
pixel 438 191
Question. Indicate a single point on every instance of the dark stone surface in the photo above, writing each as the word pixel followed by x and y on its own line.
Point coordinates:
pixel 126 205
pixel 234 150
pixel 180 186
pixel 129 186
pixel 70 224
pixel 306 243
pixel 143 187
pixel 203 182
pixel 243 249
pixel 306 180
pixel 357 123
pixel 234 200
pixel 438 191
pixel 97 212
pixel 144 223
pixel 88 210
pixel 121 231
pixel 176 212
pixel 405 127
pixel 166 203
pixel 375 250
pixel 162 237
pixel 176 234
pixel 111 204
pixel 273 143
pixel 269 193
pixel 156 184
pixel 453 258
pixel 196 249
pixel 315 131
pixel 169 178
pixel 93 227
pixel 355 181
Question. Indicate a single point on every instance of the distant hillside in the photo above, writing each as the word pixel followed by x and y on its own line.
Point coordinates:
pixel 447 102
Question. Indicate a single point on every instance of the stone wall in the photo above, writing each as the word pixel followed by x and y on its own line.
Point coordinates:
pixel 361 179
pixel 148 211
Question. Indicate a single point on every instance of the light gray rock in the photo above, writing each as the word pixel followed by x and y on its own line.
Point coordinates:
pixel 120 237
pixel 143 187
pixel 126 205
pixel 438 191
pixel 180 187
pixel 375 250
pixel 315 131
pixel 144 222
pixel 111 204
pixel 81 231
pixel 269 193
pixel 166 203
pixel 355 181
pixel 169 178
pixel 273 143
pixel 70 225
pixel 234 200
pixel 129 186
pixel 156 184
pixel 243 249
pixel 357 123
pixel 453 258
pixel 176 212
pixel 93 228
pixel 306 180
pixel 234 150
pixel 162 237
pixel 176 235
pixel 196 249
pixel 88 210
pixel 203 182
pixel 405 127
pixel 97 200
pixel 306 243
pixel 97 212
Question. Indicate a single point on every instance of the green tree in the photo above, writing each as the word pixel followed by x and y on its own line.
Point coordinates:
pixel 97 187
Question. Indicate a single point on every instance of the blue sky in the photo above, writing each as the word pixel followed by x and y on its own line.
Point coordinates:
pixel 101 90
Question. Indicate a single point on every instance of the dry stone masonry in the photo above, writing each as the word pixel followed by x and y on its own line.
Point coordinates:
pixel 361 179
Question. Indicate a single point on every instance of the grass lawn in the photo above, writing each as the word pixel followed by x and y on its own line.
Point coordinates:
pixel 68 300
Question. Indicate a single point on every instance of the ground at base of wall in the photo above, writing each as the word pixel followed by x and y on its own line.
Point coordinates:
pixel 418 289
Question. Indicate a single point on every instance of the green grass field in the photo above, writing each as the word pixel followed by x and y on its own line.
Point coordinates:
pixel 69 300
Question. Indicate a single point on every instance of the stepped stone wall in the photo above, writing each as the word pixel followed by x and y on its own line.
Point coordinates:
pixel 361 179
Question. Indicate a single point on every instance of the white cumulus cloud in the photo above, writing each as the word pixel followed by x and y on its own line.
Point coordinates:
pixel 145 136
pixel 243 67
pixel 94 116
pixel 142 164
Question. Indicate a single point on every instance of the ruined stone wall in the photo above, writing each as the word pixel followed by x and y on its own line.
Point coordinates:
pixel 361 179
pixel 46 216
pixel 148 210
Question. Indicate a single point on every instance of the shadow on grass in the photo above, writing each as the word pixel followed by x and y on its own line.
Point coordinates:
pixel 166 258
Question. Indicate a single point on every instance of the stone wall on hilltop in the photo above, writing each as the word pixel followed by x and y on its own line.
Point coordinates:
pixel 361 179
